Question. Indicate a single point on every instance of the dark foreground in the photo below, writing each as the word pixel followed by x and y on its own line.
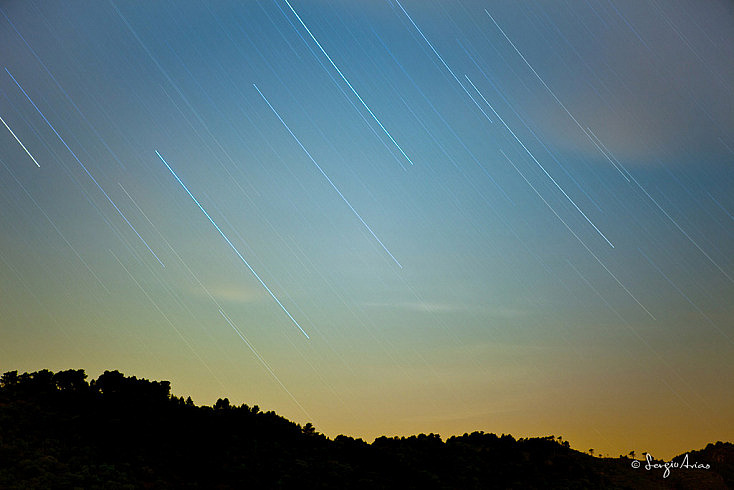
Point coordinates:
pixel 59 431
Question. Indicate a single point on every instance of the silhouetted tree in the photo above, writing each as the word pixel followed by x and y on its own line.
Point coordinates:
pixel 221 404
pixel 9 379
pixel 110 383
pixel 71 380
pixel 39 381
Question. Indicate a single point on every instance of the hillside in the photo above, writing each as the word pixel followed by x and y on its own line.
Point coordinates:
pixel 59 431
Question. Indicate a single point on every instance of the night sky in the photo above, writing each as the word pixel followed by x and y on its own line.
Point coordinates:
pixel 383 217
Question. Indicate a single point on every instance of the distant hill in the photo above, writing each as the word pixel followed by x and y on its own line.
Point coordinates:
pixel 58 431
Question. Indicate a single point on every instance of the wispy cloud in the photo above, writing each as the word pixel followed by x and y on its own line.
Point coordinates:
pixel 230 294
pixel 446 307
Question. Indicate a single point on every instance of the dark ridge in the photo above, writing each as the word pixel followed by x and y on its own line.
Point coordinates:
pixel 58 431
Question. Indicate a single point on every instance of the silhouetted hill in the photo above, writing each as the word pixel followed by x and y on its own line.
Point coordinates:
pixel 118 432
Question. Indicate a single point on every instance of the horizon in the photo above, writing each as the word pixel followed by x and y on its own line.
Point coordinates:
pixel 384 217
pixel 369 440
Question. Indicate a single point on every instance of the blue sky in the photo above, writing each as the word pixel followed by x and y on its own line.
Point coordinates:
pixel 412 216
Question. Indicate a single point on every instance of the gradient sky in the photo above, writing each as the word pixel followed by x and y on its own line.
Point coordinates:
pixel 384 217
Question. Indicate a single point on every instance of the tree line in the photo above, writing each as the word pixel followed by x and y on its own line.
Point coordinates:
pixel 59 430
